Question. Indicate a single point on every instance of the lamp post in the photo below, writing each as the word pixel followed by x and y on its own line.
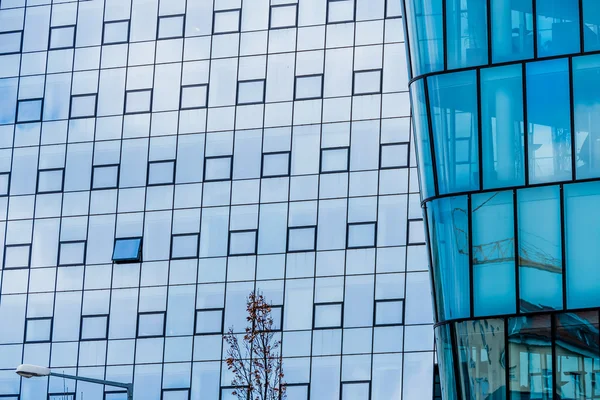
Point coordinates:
pixel 34 371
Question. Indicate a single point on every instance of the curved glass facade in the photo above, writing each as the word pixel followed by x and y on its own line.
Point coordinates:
pixel 506 104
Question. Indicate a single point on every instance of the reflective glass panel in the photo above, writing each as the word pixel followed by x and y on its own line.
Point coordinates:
pixel 557 27
pixel 466 33
pixel 512 30
pixel 127 250
pixel 425 31
pixel 422 139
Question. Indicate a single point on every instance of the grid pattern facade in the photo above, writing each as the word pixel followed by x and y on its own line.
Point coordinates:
pixel 505 101
pixel 209 148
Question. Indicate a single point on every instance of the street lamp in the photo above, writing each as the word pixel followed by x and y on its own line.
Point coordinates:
pixel 34 371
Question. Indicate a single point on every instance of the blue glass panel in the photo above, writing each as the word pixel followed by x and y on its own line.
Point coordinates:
pixel 466 33
pixel 512 30
pixel 493 254
pixel 425 30
pixel 540 249
pixel 445 357
pixel 502 127
pixel 582 237
pixel 591 28
pixel 449 240
pixel 586 87
pixel 453 107
pixel 557 27
pixel 127 250
pixel 549 121
pixel 422 139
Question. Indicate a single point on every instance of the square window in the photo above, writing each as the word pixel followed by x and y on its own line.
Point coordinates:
pixel 4 183
pixel 356 390
pixel 393 9
pixel 127 250
pixel 389 312
pixel 175 394
pixel 50 180
pixel 11 42
pixel 94 327
pixel 38 330
pixel 367 82
pixel 226 21
pixel 194 96
pixel 62 37
pixel 161 172
pixel 277 316
pixel 171 26
pixel 30 110
pixel 335 160
pixel 184 246
pixel 276 164
pixel 327 315
pixel 297 391
pixel 151 324
pixel 361 235
pixel 17 256
pixel 242 243
pixel 302 238
pixel 115 32
pixel 72 253
pixel 209 321
pixel 138 101
pixel 283 16
pixel 308 87
pixel 393 155
pixel 416 231
pixel 105 176
pixel 61 396
pixel 251 92
pixel 115 395
pixel 83 105
pixel 340 11
pixel 217 168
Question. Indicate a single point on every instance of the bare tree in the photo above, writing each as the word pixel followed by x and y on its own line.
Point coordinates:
pixel 255 360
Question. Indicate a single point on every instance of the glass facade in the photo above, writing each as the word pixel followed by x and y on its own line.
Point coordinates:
pixel 161 159
pixel 505 101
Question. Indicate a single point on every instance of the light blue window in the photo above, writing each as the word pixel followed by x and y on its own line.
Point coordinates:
pixel 549 121
pixel 540 249
pixel 586 101
pixel 494 287
pixel 423 139
pixel 425 30
pixel 512 30
pixel 557 27
pixel 449 239
pixel 466 33
pixel 127 250
pixel 591 28
pixel 581 241
pixel 502 121
pixel 453 107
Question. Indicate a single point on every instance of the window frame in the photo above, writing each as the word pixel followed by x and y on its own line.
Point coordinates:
pixel 307 385
pixel 164 327
pixel 264 92
pixel 209 158
pixel 75 96
pixel 127 92
pixel 176 235
pixel 51 319
pixel 150 163
pixel 383 145
pixel 4 267
pixel 255 231
pixel 326 304
pixel 7 193
pixel 62 180
pixel 276 153
pixel 94 167
pixel 351 224
pixel 60 243
pixel 395 300
pixel 162 392
pixel 362 382
pixel 161 17
pixel 119 21
pixel 290 228
pixel 183 87
pixel 128 260
pixel 408 228
pixel 20 42
pixel 27 121
pixel 328 22
pixel 201 310
pixel 90 316
pixel 214 21
pixel 300 77
pixel 367 71
pixel 271 27
pixel 53 28
pixel 323 150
